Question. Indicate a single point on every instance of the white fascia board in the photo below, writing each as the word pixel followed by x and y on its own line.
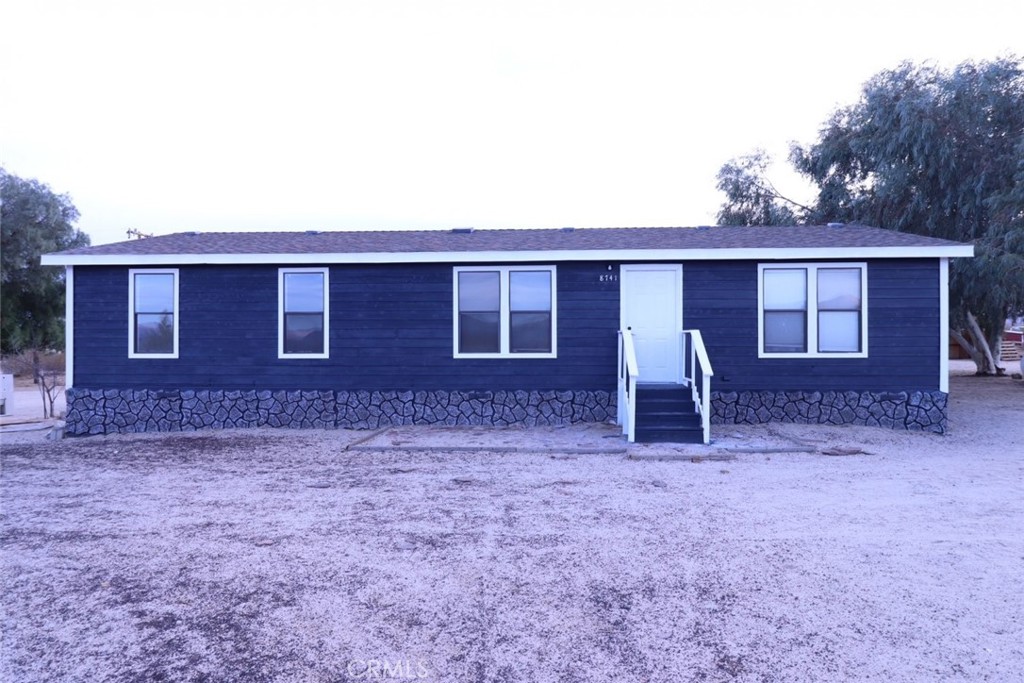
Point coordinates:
pixel 69 327
pixel 944 325
pixel 616 255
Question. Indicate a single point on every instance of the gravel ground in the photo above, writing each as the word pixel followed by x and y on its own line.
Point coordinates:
pixel 325 556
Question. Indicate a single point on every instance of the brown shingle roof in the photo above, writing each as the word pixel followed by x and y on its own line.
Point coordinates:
pixel 458 241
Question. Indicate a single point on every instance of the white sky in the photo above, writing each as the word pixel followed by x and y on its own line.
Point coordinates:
pixel 259 115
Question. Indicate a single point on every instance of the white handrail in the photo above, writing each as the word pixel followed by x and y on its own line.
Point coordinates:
pixel 629 372
pixel 630 354
pixel 699 358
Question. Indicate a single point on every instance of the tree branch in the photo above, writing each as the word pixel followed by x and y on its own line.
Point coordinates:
pixel 979 336
pixel 778 195
pixel 967 346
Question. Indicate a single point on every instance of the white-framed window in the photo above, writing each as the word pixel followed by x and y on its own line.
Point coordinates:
pixel 812 310
pixel 153 313
pixel 505 312
pixel 303 304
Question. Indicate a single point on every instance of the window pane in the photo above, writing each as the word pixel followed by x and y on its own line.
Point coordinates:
pixel 785 332
pixel 839 289
pixel 839 331
pixel 530 332
pixel 154 333
pixel 479 291
pixel 303 333
pixel 479 332
pixel 304 292
pixel 530 290
pixel 154 293
pixel 785 289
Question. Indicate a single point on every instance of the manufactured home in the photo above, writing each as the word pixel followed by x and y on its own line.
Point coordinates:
pixel 666 331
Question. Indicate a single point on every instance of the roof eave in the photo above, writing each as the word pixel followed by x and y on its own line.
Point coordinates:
pixel 760 253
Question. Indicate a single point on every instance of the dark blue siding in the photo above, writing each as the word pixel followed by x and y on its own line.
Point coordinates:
pixel 720 299
pixel 391 328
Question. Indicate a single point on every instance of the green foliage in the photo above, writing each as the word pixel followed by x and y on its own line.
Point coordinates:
pixel 933 152
pixel 923 151
pixel 33 221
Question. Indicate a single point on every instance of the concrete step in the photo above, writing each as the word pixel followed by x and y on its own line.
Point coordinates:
pixel 669 435
pixel 667 419
pixel 648 405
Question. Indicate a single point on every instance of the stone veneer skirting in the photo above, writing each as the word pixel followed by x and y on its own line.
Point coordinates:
pixel 913 410
pixel 106 411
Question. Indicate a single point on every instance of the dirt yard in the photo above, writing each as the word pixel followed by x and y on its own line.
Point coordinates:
pixel 282 556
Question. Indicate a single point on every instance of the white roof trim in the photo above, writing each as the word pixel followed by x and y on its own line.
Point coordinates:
pixel 763 253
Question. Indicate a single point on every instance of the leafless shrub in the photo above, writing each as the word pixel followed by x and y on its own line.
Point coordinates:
pixel 46 370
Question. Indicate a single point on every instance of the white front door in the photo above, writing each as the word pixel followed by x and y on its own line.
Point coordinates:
pixel 652 306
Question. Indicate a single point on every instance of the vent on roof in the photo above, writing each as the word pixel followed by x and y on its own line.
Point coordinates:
pixel 312 232
pixel 568 229
pixel 835 225
pixel 463 231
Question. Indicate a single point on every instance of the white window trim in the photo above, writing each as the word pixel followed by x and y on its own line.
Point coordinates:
pixel 812 308
pixel 69 327
pixel 280 313
pixel 504 310
pixel 131 311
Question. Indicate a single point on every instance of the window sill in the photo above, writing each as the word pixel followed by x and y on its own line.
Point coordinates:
pixel 512 356
pixel 812 355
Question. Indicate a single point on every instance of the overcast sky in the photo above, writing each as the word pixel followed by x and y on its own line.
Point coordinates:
pixel 259 115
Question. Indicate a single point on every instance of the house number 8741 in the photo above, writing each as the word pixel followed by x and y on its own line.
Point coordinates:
pixel 608 277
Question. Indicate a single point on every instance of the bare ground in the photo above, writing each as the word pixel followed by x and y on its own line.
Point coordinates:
pixel 280 556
